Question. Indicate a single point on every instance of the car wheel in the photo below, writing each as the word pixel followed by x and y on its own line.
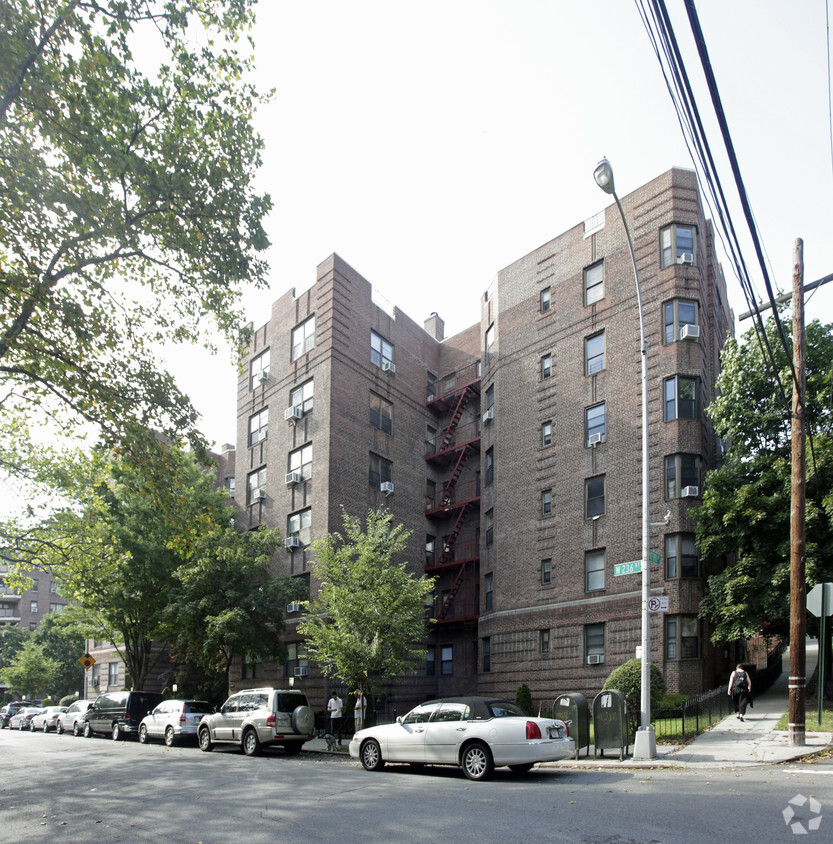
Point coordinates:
pixel 45 727
pixel 521 769
pixel 75 729
pixel 204 739
pixel 477 761
pixel 31 727
pixel 293 748
pixel 302 720
pixel 251 743
pixel 143 734
pixel 88 730
pixel 59 729
pixel 116 731
pixel 371 756
pixel 170 738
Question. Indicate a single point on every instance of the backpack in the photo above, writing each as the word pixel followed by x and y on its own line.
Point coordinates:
pixel 741 683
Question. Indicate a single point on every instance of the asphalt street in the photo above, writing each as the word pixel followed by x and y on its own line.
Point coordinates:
pixel 60 788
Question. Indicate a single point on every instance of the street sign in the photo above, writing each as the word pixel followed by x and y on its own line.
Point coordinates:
pixel 814 599
pixel 633 567
pixel 658 603
pixel 87 661
pixel 654 557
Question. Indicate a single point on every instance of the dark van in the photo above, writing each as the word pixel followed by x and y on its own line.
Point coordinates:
pixel 118 713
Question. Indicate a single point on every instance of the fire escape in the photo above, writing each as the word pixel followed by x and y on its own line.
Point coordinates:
pixel 455 503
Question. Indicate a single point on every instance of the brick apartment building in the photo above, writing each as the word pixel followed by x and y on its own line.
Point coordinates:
pixel 511 450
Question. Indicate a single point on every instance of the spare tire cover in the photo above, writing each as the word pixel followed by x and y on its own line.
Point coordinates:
pixel 303 719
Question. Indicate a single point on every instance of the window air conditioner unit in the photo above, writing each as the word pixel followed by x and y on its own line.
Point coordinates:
pixel 259 495
pixel 294 478
pixel 489 415
pixel 430 398
pixel 291 414
pixel 293 607
pixel 292 542
pixel 387 366
pixel 301 671
pixel 386 487
pixel 686 258
pixel 690 491
pixel 690 332
pixel 595 659
pixel 594 439
pixel 263 376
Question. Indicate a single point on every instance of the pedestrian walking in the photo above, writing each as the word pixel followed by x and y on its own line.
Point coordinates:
pixel 740 690
pixel 334 707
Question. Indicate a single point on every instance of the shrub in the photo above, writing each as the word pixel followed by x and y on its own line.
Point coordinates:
pixel 673 701
pixel 524 699
pixel 47 701
pixel 68 700
pixel 627 678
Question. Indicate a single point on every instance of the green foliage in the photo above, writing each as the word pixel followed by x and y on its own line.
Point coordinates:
pixel 47 701
pixel 127 209
pixel 672 701
pixel 745 513
pixel 368 617
pixel 627 678
pixel 12 639
pixel 523 698
pixel 68 700
pixel 31 673
pixel 64 644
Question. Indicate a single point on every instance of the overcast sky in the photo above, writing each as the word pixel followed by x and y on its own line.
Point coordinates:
pixel 431 144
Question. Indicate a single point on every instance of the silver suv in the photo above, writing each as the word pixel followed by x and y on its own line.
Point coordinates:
pixel 258 718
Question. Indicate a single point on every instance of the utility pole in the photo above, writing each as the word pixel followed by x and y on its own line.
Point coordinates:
pixel 798 542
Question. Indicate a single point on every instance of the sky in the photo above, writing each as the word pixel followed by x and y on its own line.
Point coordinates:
pixel 431 144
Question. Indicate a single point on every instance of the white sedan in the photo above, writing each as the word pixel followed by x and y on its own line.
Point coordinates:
pixel 475 733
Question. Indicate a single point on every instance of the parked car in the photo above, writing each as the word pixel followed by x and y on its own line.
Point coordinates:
pixel 72 721
pixel 118 714
pixel 47 718
pixel 22 719
pixel 258 718
pixel 475 733
pixel 7 711
pixel 173 720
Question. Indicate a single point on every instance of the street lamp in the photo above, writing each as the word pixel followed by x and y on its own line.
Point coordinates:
pixel 645 746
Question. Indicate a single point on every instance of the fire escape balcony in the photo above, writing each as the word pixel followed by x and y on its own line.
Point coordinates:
pixel 444 448
pixel 443 394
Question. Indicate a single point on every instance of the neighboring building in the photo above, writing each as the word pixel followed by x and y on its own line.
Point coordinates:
pixel 511 450
pixel 29 607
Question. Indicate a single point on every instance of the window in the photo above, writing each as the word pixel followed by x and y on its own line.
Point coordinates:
pixel 296 657
pixel 53 587
pixel 381 413
pixel 546 572
pixel 490 465
pixel 446 659
pixel 430 494
pixel 431 386
pixel 95 676
pixel 490 397
pixel 545 300
pixel 487 654
pixel 682 637
pixel 259 369
pixel 430 663
pixel 546 502
pixel 229 483
pixel 594 288
pixel 488 589
pixel 300 461
pixel 303 338
pixel 56 607
pixel 594 497
pixel 7 610
pixel 33 607
pixel 675 242
pixel 381 351
pixel 595 424
pixel 258 426
pixel 594 570
pixel 681 558
pixel 682 472
pixel 302 397
pixel 546 366
pixel 594 353
pixel 252 669
pixel 489 521
pixel 546 433
pixel 300 524
pixel 256 485
pixel 380 471
pixel 543 641
pixel 112 674
pixel 489 341
pixel 680 398
pixel 594 643
pixel 676 314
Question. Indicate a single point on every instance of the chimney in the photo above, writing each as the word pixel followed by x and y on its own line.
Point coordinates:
pixel 435 326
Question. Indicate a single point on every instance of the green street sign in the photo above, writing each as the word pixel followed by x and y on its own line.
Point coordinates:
pixel 654 557
pixel 633 567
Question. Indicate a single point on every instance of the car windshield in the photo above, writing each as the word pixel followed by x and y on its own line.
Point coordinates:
pixel 505 709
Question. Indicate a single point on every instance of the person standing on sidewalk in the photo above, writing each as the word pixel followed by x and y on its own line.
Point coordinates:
pixel 334 707
pixel 359 710
pixel 740 690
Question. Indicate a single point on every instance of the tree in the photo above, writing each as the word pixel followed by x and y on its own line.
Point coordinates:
pixel 31 673
pixel 745 514
pixel 366 621
pixel 62 642
pixel 127 211
pixel 12 638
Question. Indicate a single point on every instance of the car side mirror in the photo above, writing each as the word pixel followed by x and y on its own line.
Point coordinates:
pixel 398 719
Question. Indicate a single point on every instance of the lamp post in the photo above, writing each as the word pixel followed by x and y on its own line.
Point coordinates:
pixel 645 746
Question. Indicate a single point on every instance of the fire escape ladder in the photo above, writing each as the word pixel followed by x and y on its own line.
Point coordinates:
pixel 452 594
pixel 455 418
pixel 451 483
pixel 451 539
